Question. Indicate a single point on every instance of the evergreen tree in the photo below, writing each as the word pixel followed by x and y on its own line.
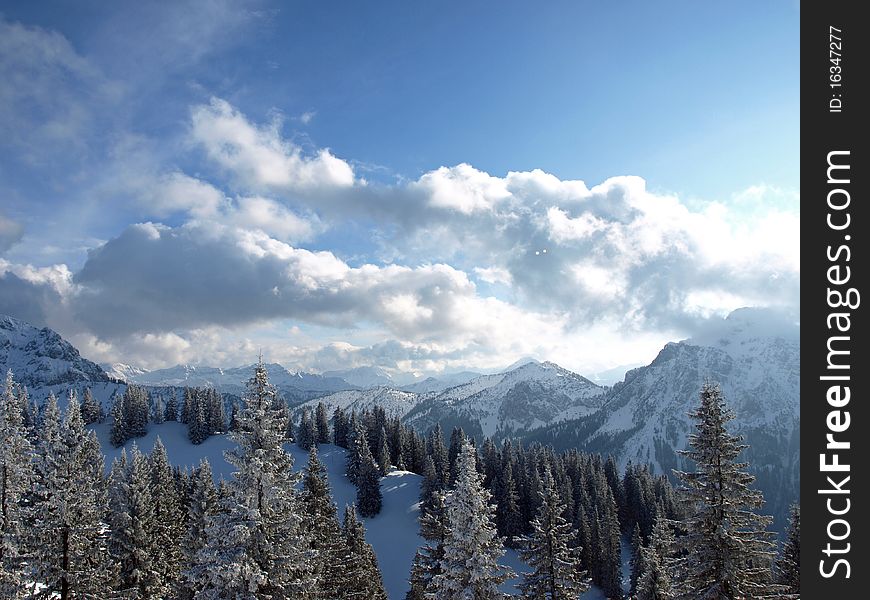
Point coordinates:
pixel 158 411
pixel 322 424
pixel 359 447
pixel 131 517
pixel 548 550
pixel 307 433
pixel 728 553
pixel 170 413
pixel 15 473
pixel 470 568
pixel 321 525
pixel 68 549
pixel 255 545
pixel 167 526
pixel 383 458
pixel 341 427
pixel 434 528
pixel 508 517
pixel 216 418
pixel 92 411
pixel 363 579
pixel 368 493
pixel 636 560
pixel 118 434
pixel 654 581
pixel 788 567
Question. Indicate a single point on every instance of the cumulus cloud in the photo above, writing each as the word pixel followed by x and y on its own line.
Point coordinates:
pixel 258 157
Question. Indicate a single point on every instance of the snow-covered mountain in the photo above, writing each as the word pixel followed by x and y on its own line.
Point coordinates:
pixel 395 402
pixel 440 383
pixel 296 387
pixel 529 396
pixel 754 355
pixel 41 358
pixel 363 377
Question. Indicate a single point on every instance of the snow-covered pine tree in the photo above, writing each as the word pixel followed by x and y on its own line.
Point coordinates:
pixel 15 474
pixel 363 577
pixel 68 546
pixel 434 528
pixel 728 552
pixel 654 581
pixel 788 567
pixel 92 411
pixel 158 410
pixel 321 422
pixel 256 544
pixel 470 569
pixel 170 413
pixel 359 446
pixel 197 426
pixel 368 484
pixel 168 520
pixel 187 408
pixel 306 435
pixel 216 417
pixel 136 411
pixel 636 560
pixel 383 456
pixel 507 512
pixel 118 434
pixel 131 520
pixel 340 427
pixel 201 506
pixel 323 530
pixel 549 551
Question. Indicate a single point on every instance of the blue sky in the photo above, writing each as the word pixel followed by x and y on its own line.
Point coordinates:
pixel 369 183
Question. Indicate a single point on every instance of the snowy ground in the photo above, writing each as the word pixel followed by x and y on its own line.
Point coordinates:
pixel 393 533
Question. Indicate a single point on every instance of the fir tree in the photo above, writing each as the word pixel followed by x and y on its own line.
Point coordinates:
pixel 363 579
pixel 322 424
pixel 434 528
pixel 788 567
pixel 548 550
pixel 15 473
pixel 118 434
pixel 307 433
pixel 68 534
pixel 728 553
pixel 170 413
pixel 341 427
pixel 507 514
pixel 368 493
pixel 255 545
pixel 166 528
pixel 470 568
pixel 635 562
pixel 383 458
pixel 321 525
pixel 654 580
pixel 132 522
pixel 92 411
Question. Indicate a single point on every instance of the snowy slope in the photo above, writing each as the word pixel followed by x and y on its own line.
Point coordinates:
pixel 40 357
pixel 393 533
pixel 529 396
pixel 364 377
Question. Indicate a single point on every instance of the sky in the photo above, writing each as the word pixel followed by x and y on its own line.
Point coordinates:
pixel 419 186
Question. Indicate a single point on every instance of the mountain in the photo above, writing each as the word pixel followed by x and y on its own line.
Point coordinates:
pixel 364 377
pixel 502 404
pixel 754 355
pixel 440 383
pixel 41 358
pixel 296 387
pixel 395 402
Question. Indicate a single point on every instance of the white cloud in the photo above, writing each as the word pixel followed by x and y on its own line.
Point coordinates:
pixel 258 157
pixel 10 233
pixel 462 188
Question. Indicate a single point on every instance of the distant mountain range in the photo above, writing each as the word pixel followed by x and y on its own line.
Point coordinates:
pixel 754 354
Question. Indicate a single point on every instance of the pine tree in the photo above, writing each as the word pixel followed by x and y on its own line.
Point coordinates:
pixel 654 581
pixel 341 427
pixel 68 534
pixel 434 528
pixel 118 434
pixel 166 529
pixel 321 525
pixel 255 545
pixel 788 567
pixel 307 433
pixel 216 417
pixel 368 494
pixel 170 413
pixel 131 517
pixel 470 568
pixel 158 411
pixel 636 560
pixel 363 577
pixel 92 411
pixel 728 552
pixel 507 513
pixel 15 473
pixel 383 458
pixel 548 550
pixel 322 424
